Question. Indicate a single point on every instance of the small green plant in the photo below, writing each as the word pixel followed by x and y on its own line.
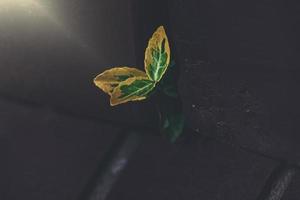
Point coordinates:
pixel 125 84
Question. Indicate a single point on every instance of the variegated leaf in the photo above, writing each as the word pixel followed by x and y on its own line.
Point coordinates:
pixel 133 89
pixel 157 55
pixel 111 78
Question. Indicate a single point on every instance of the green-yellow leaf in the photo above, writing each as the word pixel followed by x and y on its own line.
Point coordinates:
pixel 133 89
pixel 157 55
pixel 111 78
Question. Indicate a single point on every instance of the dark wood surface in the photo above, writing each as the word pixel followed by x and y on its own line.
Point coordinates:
pixel 239 86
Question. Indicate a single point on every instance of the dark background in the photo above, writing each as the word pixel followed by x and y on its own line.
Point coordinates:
pixel 238 83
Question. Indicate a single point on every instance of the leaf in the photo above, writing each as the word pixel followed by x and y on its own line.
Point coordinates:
pixel 157 55
pixel 173 125
pixel 111 78
pixel 133 89
pixel 170 91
